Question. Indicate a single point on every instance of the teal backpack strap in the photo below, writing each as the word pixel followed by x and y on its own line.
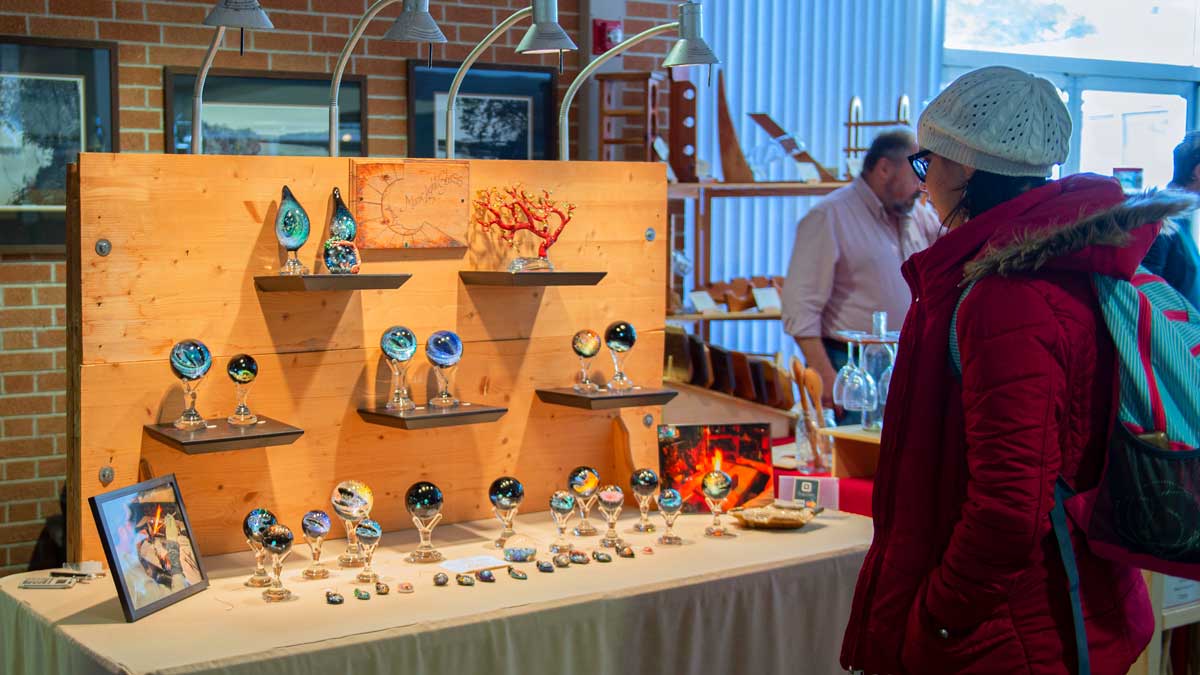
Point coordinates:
pixel 955 356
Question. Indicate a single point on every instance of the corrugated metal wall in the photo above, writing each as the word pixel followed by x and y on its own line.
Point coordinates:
pixel 801 61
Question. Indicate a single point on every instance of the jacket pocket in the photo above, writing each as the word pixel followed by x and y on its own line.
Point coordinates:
pixel 991 647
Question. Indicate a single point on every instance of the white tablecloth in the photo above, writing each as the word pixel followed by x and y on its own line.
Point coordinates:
pixel 762 602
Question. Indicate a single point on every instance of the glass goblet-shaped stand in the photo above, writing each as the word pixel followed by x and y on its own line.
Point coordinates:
pixel 716 486
pixel 424 503
pixel 506 494
pixel 190 362
pixel 400 399
pixel 586 345
pixel 643 482
pixel 444 350
pixel 612 498
pixel 242 370
pixel 399 344
pixel 292 227
pixel 670 505
pixel 278 542
pixel 369 533
pixel 620 337
pixel 254 526
pixel 583 482
pixel 352 501
pixel 562 507
pixel 316 526
pixel 444 399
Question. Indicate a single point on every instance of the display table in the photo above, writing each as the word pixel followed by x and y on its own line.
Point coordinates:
pixel 763 602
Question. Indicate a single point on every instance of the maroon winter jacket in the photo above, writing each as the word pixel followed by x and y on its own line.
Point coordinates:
pixel 966 474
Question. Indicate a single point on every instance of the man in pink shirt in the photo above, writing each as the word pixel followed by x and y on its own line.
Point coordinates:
pixel 849 247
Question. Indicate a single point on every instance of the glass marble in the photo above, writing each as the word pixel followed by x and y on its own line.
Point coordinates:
pixel 612 498
pixel 190 359
pixel 405 587
pixel 545 566
pixel 520 548
pixel 464 579
pixel 601 556
pixel 382 588
pixel 333 598
pixel 242 369
pixel 315 526
pixel 440 579
pixel 562 507
pixel 341 224
pixel 361 594
pixel 643 482
pixel 579 557
pixel 341 257
pixel 277 540
pixel 424 503
pixel 485 576
pixel 626 552
pixel 583 481
pixel 562 560
pixel 562 502
pixel 716 486
pixel 670 505
pixel 444 349
pixel 586 343
pixel 368 533
pixel 517 574
pixel 292 228
pixel 254 526
pixel 398 343
pixel 620 336
pixel 352 501
pixel 506 494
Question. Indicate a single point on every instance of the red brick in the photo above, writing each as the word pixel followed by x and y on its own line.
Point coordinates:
pixel 141 119
pixel 15 362
pixel 26 447
pixel 23 273
pixel 133 97
pixel 130 32
pixel 60 403
pixel 134 11
pixel 12 534
pixel 164 12
pixel 154 97
pixel 150 76
pixel 22 511
pixel 251 60
pixel 38 489
pixel 23 6
pixel 280 42
pixel 51 382
pixel 175 56
pixel 26 405
pixel 20 318
pixel 338 26
pixel 64 28
pixel 20 554
pixel 388 147
pixel 332 44
pixel 51 425
pixel 60 316
pixel 364 65
pixel 49 507
pixel 52 338
pixel 300 62
pixel 18 384
pixel 51 295
pixel 52 468
pixel 12 24
pixel 18 296
pixel 18 426
pixel 20 470
pixel 301 22
pixel 101 9
pixel 354 7
pixel 131 55
pixel 154 141
pixel 133 141
pixel 652 10
pixel 60 272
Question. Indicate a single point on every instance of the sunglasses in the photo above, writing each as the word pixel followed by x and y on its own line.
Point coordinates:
pixel 920 163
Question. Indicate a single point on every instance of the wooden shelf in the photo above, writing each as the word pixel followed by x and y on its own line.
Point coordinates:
pixel 484 278
pixel 220 436
pixel 329 282
pixel 727 316
pixel 1183 615
pixel 764 189
pixel 424 417
pixel 852 432
pixel 605 400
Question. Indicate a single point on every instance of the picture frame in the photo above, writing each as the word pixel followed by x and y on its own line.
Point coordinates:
pixel 253 112
pixel 688 451
pixel 57 98
pixel 152 556
pixel 503 111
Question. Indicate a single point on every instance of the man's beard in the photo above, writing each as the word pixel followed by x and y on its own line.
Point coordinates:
pixel 903 208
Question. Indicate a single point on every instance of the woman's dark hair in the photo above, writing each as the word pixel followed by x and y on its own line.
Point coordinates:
pixel 984 190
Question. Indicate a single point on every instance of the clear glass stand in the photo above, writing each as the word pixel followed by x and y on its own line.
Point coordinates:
pixel 585 528
pixel 425 552
pixel 669 538
pixel 643 524
pixel 189 419
pixel 242 417
pixel 368 575
pixel 585 384
pixel 353 556
pixel 620 382
pixel 260 578
pixel 562 544
pixel 444 399
pixel 293 267
pixel 505 516
pixel 523 264
pixel 400 399
pixel 611 539
pixel 277 593
pixel 316 570
pixel 716 529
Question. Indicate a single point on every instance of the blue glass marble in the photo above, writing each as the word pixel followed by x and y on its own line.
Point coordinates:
pixel 334 598
pixel 562 560
pixel 464 579
pixel 485 576
pixel 361 594
pixel 398 343
pixel 517 574
pixel 506 492
pixel 579 557
pixel 545 566
pixel 520 553
pixel 242 369
pixel 601 556
pixel 562 502
pixel 277 539
pixel 716 485
pixel 670 501
pixel 291 222
pixel 190 359
pixel 423 500
pixel 341 257
pixel 368 532
pixel 643 482
pixel 440 579
pixel 443 349
pixel 315 524
pixel 341 226
pixel 256 523
pixel 620 336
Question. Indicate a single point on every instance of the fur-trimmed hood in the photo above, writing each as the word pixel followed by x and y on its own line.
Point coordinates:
pixel 1092 240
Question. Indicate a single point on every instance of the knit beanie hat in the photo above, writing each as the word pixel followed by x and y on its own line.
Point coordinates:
pixel 1000 120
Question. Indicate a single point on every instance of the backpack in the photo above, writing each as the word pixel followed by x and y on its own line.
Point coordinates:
pixel 1145 510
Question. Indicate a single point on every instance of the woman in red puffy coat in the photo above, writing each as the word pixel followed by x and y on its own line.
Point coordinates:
pixel 963 575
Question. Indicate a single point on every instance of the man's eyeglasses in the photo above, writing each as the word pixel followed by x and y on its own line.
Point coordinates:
pixel 920 163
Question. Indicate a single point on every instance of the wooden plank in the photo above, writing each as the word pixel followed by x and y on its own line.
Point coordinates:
pixel 329 282
pixel 606 400
pixel 852 432
pixel 726 316
pixel 697 405
pixel 220 436
pixel 764 189
pixel 425 417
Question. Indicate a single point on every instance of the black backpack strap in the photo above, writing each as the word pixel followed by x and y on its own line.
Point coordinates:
pixel 1058 518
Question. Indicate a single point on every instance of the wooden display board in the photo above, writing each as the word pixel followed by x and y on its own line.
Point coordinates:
pixel 188 234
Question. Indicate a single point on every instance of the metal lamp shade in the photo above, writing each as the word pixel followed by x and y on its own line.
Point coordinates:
pixel 239 14
pixel 415 24
pixel 545 35
pixel 690 49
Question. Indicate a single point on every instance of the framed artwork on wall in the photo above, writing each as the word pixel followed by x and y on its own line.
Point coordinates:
pixel 57 98
pixel 149 544
pixel 248 112
pixel 502 111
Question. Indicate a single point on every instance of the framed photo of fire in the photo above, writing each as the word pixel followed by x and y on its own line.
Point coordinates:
pixel 687 452
pixel 148 541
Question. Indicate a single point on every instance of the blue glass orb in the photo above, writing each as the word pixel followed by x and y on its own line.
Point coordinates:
pixel 315 524
pixel 643 482
pixel 443 349
pixel 277 539
pixel 342 225
pixel 341 257
pixel 583 481
pixel 562 502
pixel 423 500
pixel 398 343
pixel 291 222
pixel 716 485
pixel 620 336
pixel 368 532
pixel 242 369
pixel 352 500
pixel 506 492
pixel 670 501
pixel 190 360
pixel 256 523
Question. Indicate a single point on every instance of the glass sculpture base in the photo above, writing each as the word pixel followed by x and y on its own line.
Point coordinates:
pixel 293 268
pixel 316 573
pixel 561 547
pixel 190 420
pixel 718 531
pixel 585 529
pixel 644 527
pixel 277 594
pixel 443 402
pixel 670 540
pixel 258 581
pixel 351 560
pixel 530 265
pixel 587 388
pixel 611 542
pixel 367 577
pixel 242 420
pixel 620 382
pixel 425 556
pixel 401 404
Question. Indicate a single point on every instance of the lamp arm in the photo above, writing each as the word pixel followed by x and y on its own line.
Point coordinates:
pixel 564 111
pixel 198 91
pixel 343 59
pixel 466 65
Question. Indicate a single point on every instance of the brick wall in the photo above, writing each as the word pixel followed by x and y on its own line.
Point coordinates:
pixel 152 34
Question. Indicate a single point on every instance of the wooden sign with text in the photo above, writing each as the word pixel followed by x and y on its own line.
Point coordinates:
pixel 411 204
